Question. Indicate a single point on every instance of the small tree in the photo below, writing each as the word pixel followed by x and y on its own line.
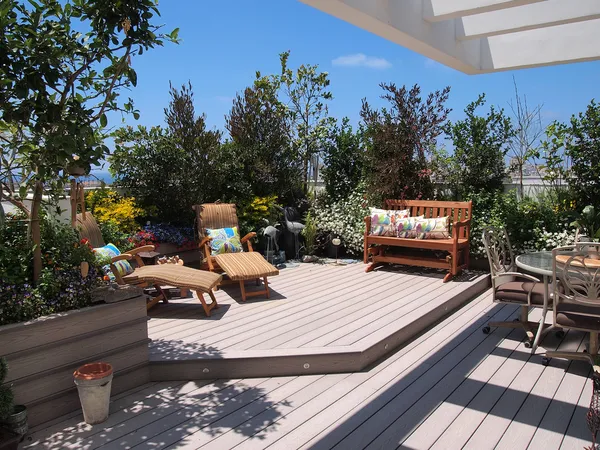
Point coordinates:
pixel 63 66
pixel 343 156
pixel 260 131
pixel 306 91
pixel 399 140
pixel 527 133
pixel 159 165
pixel 583 147
pixel 480 145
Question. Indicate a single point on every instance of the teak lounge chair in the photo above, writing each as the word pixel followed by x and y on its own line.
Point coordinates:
pixel 158 275
pixel 239 267
pixel 214 216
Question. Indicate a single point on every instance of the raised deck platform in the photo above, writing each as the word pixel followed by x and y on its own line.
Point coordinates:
pixel 320 319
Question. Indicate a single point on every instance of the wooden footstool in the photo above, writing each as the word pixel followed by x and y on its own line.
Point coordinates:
pixel 247 266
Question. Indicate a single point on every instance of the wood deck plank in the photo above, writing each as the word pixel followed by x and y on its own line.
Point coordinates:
pixel 365 408
pixel 525 423
pixel 556 420
pixel 368 312
pixel 487 416
pixel 412 392
pixel 239 310
pixel 341 309
pixel 310 298
pixel 191 418
pixel 478 390
pixel 367 384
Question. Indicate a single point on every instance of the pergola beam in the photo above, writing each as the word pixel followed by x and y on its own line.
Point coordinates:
pixel 528 17
pixel 574 42
pixel 439 10
pixel 525 33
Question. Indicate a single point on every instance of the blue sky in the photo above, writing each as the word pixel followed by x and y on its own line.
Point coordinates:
pixel 224 42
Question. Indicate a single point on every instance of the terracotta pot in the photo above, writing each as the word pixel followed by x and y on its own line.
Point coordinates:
pixel 94 383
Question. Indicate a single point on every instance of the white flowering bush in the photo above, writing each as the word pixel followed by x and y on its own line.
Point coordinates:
pixel 344 218
pixel 547 240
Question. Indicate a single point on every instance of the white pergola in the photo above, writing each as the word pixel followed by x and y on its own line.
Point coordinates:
pixel 481 36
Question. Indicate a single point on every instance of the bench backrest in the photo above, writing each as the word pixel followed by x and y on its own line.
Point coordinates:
pixel 457 211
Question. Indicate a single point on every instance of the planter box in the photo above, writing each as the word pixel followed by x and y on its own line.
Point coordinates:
pixel 167 249
pixel 43 354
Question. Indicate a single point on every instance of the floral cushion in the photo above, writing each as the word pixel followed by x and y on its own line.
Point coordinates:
pixel 123 267
pixel 434 228
pixel 384 222
pixel 224 240
pixel 406 228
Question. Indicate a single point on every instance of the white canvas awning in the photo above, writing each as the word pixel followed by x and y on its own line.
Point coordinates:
pixel 481 36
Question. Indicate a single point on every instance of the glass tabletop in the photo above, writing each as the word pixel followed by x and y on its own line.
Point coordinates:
pixel 537 262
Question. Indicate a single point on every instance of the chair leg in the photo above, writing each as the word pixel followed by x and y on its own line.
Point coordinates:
pixel 258 281
pixel 207 308
pixel 524 324
pixel 266 287
pixel 243 289
pixel 162 295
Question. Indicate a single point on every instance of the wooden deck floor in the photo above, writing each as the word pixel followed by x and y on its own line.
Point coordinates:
pixel 452 387
pixel 319 319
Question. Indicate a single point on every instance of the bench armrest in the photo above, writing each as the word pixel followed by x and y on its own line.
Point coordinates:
pixel 458 225
pixel 367 224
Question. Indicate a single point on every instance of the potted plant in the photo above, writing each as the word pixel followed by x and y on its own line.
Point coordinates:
pixel 310 237
pixel 13 418
pixel 588 224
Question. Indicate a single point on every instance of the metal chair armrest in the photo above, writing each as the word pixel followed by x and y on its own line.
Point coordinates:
pixel 518 275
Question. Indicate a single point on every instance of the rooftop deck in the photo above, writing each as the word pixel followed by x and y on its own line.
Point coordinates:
pixel 319 319
pixel 452 387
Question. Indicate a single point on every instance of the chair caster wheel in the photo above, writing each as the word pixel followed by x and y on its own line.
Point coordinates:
pixel 528 344
pixel 560 334
pixel 545 361
pixel 486 330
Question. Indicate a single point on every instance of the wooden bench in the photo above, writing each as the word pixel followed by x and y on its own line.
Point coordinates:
pixel 456 248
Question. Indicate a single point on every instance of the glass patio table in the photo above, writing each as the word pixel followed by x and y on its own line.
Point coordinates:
pixel 539 263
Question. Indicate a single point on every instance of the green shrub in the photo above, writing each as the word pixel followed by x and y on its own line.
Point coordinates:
pixel 61 286
pixel 258 214
pixel 532 224
pixel 109 206
pixel 6 394
pixel 310 234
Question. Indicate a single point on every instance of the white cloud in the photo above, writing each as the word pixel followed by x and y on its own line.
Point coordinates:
pixel 224 99
pixel 362 60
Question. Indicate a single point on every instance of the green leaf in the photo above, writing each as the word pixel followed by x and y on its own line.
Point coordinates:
pixel 67 9
pixel 103 120
pixel 174 34
pixel 136 115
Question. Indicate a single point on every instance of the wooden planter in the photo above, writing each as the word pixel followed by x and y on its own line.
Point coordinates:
pixel 168 249
pixel 43 354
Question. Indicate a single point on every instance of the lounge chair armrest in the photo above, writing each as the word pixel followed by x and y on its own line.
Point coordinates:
pixel 518 275
pixel 205 241
pixel 249 236
pixel 143 248
pixel 121 257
